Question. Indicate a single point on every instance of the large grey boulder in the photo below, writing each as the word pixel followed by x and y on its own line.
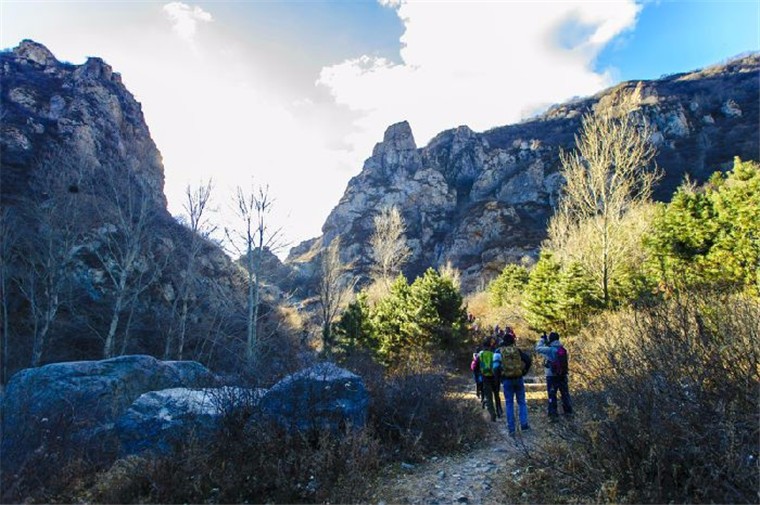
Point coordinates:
pixel 321 397
pixel 160 421
pixel 78 402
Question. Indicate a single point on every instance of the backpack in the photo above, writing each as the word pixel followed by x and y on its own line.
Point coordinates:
pixel 475 365
pixel 496 365
pixel 559 365
pixel 486 360
pixel 511 363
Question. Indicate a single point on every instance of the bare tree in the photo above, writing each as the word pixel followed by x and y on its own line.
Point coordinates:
pixel 389 248
pixel 196 212
pixel 607 176
pixel 449 271
pixel 9 231
pixel 255 234
pixel 335 288
pixel 126 252
pixel 54 216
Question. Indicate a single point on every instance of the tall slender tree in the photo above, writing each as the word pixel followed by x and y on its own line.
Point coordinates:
pixel 8 236
pixel 335 289
pixel 609 174
pixel 196 215
pixel 255 233
pixel 126 253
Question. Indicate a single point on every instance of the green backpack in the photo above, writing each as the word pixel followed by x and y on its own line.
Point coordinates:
pixel 486 359
pixel 511 362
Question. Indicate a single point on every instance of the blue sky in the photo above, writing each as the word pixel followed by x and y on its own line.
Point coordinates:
pixel 294 94
pixel 678 36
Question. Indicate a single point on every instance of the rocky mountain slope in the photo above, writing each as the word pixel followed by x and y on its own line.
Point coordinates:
pixel 84 110
pixel 481 200
pixel 89 249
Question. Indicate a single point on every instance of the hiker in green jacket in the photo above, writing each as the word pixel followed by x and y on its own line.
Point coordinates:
pixel 490 386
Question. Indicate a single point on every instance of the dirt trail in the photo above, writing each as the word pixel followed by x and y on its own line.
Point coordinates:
pixel 471 477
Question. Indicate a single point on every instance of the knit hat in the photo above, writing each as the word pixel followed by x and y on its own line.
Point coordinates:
pixel 553 336
pixel 509 338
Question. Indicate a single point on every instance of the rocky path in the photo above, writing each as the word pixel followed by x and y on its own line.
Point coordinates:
pixel 472 477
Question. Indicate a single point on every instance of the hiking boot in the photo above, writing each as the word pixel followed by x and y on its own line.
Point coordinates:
pixel 525 428
pixel 493 419
pixel 512 434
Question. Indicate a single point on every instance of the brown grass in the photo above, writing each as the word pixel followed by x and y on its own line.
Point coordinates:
pixel 667 402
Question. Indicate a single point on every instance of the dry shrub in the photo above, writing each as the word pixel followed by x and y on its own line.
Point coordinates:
pixel 57 466
pixel 488 316
pixel 667 404
pixel 413 416
pixel 248 462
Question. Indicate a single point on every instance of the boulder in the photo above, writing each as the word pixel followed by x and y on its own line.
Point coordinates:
pixel 321 397
pixel 76 403
pixel 159 421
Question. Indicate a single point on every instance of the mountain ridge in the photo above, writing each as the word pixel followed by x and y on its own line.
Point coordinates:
pixel 482 200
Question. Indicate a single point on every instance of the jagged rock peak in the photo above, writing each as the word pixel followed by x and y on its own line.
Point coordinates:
pixel 34 51
pixel 400 134
pixel 94 68
pixel 397 151
pixel 398 137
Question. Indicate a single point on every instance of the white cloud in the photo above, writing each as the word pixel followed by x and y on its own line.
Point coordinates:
pixel 185 18
pixel 213 111
pixel 483 64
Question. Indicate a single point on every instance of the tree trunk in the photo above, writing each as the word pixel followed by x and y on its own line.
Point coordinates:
pixel 257 287
pixel 182 329
pixel 251 304
pixel 108 348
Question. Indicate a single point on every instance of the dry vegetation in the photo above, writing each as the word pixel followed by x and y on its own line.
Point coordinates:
pixel 667 403
pixel 250 460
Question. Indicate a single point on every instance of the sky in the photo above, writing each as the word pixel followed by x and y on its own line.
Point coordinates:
pixel 293 95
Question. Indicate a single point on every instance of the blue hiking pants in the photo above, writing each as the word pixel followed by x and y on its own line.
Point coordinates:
pixel 515 388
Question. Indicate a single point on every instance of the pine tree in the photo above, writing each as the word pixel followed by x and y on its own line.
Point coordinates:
pixel 510 283
pixel 541 293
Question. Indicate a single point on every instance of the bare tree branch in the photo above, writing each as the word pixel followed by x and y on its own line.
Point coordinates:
pixel 388 244
pixel 608 176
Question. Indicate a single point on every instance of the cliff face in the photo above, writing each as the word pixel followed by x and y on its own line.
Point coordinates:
pixel 89 249
pixel 481 200
pixel 83 111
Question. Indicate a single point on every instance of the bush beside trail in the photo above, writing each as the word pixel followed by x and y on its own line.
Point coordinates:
pixel 667 402
pixel 412 416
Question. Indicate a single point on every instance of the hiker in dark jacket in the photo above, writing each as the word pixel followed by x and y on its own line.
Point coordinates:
pixel 549 348
pixel 515 364
pixel 496 367
pixel 489 383
pixel 475 367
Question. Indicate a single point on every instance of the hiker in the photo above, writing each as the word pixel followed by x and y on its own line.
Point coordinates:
pixel 515 364
pixel 486 368
pixel 556 365
pixel 496 367
pixel 475 367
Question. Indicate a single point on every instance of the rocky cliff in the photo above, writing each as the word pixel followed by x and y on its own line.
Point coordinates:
pixel 84 111
pixel 481 200
pixel 89 250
